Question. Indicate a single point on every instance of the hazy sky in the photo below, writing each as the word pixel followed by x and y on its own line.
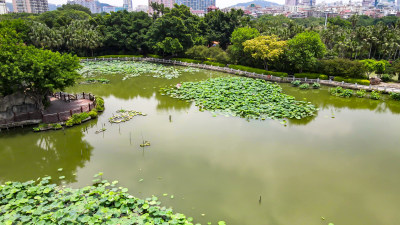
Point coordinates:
pixel 220 3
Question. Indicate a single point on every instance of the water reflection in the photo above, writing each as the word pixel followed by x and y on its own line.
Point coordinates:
pixel 25 155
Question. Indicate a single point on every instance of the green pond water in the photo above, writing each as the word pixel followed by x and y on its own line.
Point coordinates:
pixel 342 164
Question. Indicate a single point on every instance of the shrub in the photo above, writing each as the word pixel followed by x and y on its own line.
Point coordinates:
pixel 154 56
pixel 99 102
pixel 358 81
pixel 323 77
pixel 77 119
pixel 296 83
pixel 309 75
pixel 304 86
pixel 361 93
pixel 186 60
pixel 385 77
pixel 316 85
pixel 93 114
pixel 257 70
pixel 199 52
pixel 395 96
pixel 214 64
pixel 342 67
pixel 375 95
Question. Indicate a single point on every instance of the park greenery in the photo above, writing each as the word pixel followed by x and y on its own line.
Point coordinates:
pixel 123 115
pixel 350 48
pixel 243 97
pixel 39 202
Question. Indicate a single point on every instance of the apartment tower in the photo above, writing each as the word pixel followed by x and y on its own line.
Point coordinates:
pixel 3 7
pixel 128 5
pixel 31 6
pixel 197 4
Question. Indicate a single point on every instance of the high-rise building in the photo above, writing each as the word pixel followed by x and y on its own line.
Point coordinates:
pixel 166 3
pixel 291 2
pixel 128 5
pixel 197 4
pixel 31 6
pixel 3 8
pixel 366 3
pixel 93 5
pixel 308 2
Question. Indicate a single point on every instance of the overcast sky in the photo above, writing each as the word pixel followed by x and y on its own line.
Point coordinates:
pixel 220 3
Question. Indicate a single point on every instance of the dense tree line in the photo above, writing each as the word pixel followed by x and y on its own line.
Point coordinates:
pixel 270 42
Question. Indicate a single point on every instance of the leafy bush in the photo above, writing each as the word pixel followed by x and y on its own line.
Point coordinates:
pixel 347 93
pixel 257 70
pixel 154 56
pixel 375 95
pixel 214 64
pixel 304 86
pixel 395 96
pixel 316 85
pixel 99 102
pixel 353 81
pixel 77 119
pixel 323 77
pixel 39 202
pixel 296 83
pixel 342 67
pixel 187 60
pixel 309 75
pixel 361 93
pixel 386 77
pixel 93 114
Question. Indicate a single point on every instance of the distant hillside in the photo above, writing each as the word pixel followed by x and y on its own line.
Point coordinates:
pixel 256 2
pixel 51 6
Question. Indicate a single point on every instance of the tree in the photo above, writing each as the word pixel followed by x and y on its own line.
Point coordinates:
pixel 265 48
pixel 304 50
pixel 370 66
pixel 125 31
pixel 170 45
pixel 178 23
pixel 74 7
pixel 219 25
pixel 61 18
pixel 81 36
pixel 239 36
pixel 33 71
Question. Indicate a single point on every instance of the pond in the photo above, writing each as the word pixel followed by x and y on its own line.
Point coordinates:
pixel 339 167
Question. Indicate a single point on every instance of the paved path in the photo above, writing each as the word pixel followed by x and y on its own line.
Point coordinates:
pixel 57 105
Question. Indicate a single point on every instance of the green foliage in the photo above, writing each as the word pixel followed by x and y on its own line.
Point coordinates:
pixel 200 52
pixel 33 71
pixel 386 77
pixel 343 67
pixel 93 114
pixel 77 119
pixel 395 96
pixel 219 26
pixel 239 36
pixel 62 18
pixel 304 50
pixel 259 71
pixel 39 202
pixel 375 95
pixel 311 75
pixel 316 85
pixel 74 7
pixel 99 103
pixel 97 80
pixel 170 45
pixel 154 56
pixel 304 86
pixel 244 97
pixel 214 64
pixel 353 81
pixel 340 92
pixel 124 115
pixel 361 93
pixel 380 66
pixel 187 60
pixel 296 83
pixel 125 31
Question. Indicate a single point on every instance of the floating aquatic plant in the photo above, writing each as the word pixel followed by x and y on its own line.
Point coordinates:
pixel 125 115
pixel 132 69
pixel 244 97
pixel 145 144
